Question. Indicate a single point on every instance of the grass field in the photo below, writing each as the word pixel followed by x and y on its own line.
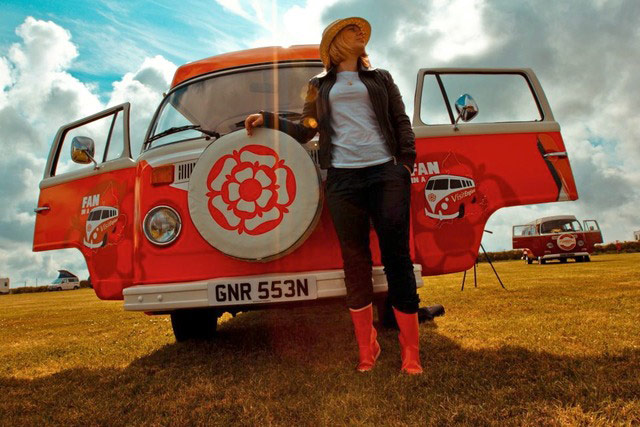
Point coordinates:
pixel 561 346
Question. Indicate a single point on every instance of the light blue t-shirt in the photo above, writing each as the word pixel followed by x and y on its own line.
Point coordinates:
pixel 358 140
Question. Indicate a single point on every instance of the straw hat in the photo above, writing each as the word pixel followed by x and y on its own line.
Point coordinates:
pixel 334 28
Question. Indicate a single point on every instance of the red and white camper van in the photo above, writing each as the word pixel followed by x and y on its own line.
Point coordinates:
pixel 209 220
pixel 556 238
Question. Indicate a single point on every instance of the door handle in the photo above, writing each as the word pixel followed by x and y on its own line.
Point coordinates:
pixel 40 209
pixel 561 154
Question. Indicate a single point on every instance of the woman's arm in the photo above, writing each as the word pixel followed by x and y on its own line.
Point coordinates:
pixel 301 131
pixel 405 137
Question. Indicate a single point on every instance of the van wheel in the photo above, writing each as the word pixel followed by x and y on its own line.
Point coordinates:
pixel 563 260
pixel 461 212
pixel 528 260
pixel 194 324
pixel 75 287
pixel 578 259
pixel 541 261
pixel 587 258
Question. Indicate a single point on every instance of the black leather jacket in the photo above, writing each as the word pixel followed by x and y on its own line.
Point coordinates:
pixel 316 115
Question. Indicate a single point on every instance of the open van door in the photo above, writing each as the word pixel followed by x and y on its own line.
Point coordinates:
pixel 511 154
pixel 592 231
pixel 86 197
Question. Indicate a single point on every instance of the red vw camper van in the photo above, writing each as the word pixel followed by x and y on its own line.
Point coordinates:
pixel 209 220
pixel 556 238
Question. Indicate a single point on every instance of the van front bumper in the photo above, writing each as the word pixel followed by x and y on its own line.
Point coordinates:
pixel 567 255
pixel 177 296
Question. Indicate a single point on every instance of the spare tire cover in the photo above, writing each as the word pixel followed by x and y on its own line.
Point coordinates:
pixel 255 198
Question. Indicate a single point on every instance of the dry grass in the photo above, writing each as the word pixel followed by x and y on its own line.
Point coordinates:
pixel 560 347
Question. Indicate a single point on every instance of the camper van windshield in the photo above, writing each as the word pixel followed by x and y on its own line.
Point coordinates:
pixel 221 103
pixel 560 226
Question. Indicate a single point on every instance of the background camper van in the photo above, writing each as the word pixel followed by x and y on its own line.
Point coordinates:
pixel 557 238
pixel 4 285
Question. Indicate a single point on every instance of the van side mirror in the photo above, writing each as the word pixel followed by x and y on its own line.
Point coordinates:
pixel 466 107
pixel 83 150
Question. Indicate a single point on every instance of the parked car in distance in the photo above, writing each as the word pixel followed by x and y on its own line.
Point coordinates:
pixel 556 238
pixel 64 281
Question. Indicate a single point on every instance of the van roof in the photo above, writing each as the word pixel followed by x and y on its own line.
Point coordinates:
pixel 552 218
pixel 434 177
pixel 260 55
pixel 65 274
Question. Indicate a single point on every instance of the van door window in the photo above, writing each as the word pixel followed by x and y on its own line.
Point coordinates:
pixel 107 134
pixel 501 97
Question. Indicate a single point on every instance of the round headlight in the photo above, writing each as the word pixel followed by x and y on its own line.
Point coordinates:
pixel 162 225
pixel 550 245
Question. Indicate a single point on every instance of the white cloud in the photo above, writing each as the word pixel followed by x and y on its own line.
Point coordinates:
pixel 235 6
pixel 457 25
pixel 279 27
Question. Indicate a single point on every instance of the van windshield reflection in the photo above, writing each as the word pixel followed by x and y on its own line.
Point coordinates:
pixel 221 103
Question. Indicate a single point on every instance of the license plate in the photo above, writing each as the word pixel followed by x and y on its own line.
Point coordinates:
pixel 240 290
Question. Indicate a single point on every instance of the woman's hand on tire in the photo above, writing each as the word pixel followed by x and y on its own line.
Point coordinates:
pixel 253 121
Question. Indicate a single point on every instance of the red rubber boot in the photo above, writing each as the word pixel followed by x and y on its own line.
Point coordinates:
pixel 409 342
pixel 366 337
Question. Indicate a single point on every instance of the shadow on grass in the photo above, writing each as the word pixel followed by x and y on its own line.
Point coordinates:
pixel 284 367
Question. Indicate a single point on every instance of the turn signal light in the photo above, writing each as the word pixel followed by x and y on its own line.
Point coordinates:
pixel 162 175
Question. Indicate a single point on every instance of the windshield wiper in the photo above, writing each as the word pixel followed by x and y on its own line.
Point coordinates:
pixel 291 115
pixel 183 128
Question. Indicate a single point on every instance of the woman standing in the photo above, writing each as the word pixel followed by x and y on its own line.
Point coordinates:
pixel 368 146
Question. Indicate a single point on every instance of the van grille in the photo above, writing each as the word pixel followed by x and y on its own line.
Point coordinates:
pixel 183 171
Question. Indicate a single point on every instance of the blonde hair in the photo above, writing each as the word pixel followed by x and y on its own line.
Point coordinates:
pixel 339 51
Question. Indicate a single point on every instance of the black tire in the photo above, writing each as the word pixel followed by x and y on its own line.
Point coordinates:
pixel 587 258
pixel 75 287
pixel 528 260
pixel 563 260
pixel 541 261
pixel 579 259
pixel 197 323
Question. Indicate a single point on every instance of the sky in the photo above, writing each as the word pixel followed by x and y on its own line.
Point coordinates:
pixel 63 60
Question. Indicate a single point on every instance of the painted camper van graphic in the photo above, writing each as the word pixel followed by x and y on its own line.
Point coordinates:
pixel 221 222
pixel 100 222
pixel 447 195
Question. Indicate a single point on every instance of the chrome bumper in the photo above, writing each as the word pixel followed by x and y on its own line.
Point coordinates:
pixel 567 255
pixel 175 296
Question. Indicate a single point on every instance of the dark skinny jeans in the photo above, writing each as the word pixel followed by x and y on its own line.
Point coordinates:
pixel 378 195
